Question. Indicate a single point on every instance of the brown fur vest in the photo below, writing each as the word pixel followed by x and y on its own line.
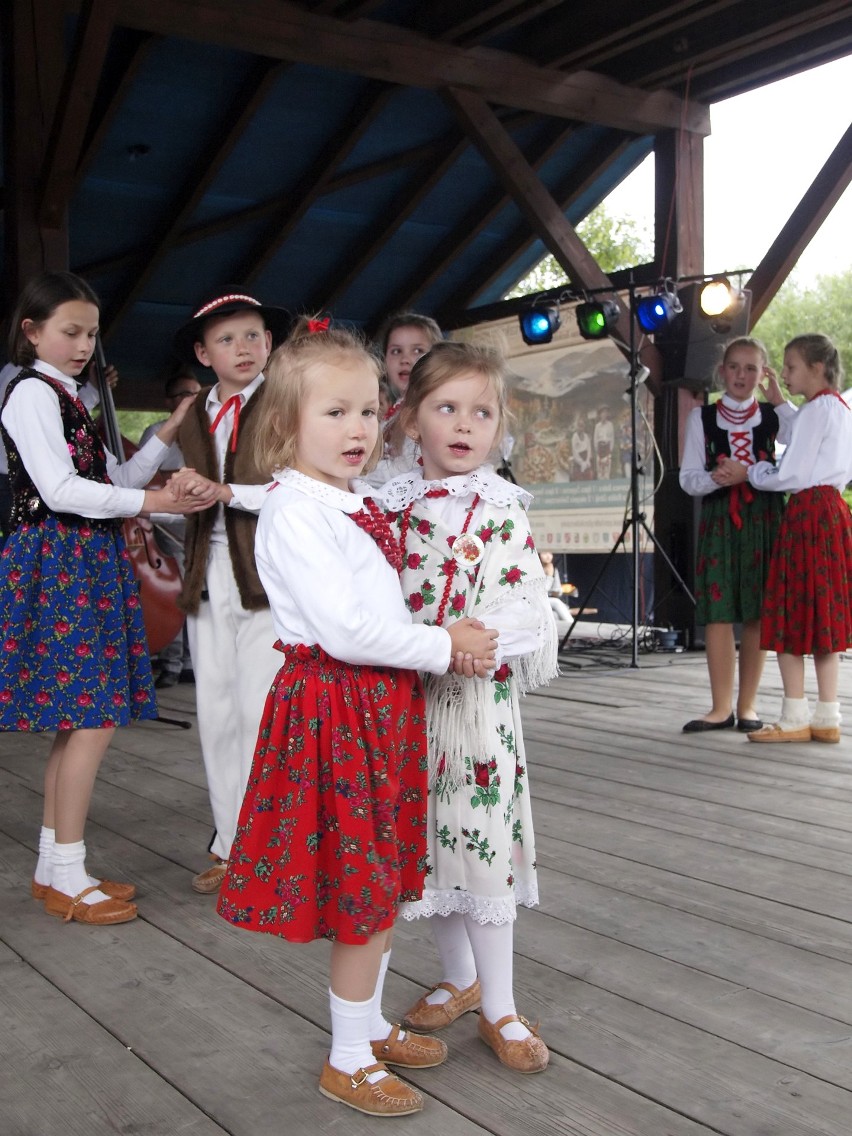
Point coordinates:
pixel 196 443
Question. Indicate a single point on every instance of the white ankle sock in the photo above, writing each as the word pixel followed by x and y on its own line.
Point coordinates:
pixel 457 962
pixel 826 714
pixel 68 871
pixel 44 867
pixel 380 1027
pixel 794 713
pixel 350 1036
pixel 492 945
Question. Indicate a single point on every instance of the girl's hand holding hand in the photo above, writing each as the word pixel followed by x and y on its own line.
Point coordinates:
pixel 164 501
pixel 729 472
pixel 466 666
pixel 770 386
pixel 470 637
pixel 186 485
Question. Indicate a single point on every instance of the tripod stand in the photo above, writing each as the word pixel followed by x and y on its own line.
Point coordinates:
pixel 634 521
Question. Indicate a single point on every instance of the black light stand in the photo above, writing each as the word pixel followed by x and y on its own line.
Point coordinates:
pixel 634 520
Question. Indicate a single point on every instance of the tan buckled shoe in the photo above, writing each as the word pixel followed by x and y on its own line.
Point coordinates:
pixel 828 734
pixel 528 1056
pixel 70 907
pixel 777 733
pixel 210 881
pixel 426 1017
pixel 389 1096
pixel 111 888
pixel 411 1051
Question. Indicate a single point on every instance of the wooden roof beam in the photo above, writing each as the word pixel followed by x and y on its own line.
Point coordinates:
pixel 366 47
pixel 80 84
pixel 511 248
pixel 477 219
pixel 365 111
pixel 398 213
pixel 228 132
pixel 818 201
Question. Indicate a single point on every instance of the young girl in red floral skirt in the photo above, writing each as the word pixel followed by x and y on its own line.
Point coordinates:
pixel 807 606
pixel 331 835
pixel 75 657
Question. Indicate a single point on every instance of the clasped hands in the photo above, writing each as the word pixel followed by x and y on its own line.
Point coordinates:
pixel 189 487
pixel 729 472
pixel 474 649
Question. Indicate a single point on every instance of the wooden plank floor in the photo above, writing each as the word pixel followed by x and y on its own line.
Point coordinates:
pixel 691 961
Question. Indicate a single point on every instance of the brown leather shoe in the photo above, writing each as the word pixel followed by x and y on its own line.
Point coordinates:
pixel 426 1018
pixel 528 1056
pixel 828 734
pixel 410 1052
pixel 210 881
pixel 777 734
pixel 108 887
pixel 70 907
pixel 389 1096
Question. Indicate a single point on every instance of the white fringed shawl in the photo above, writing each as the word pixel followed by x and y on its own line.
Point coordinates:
pixel 509 580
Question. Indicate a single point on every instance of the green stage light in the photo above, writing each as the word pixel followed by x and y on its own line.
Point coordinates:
pixel 596 319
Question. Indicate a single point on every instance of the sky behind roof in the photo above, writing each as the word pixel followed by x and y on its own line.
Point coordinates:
pixel 765 149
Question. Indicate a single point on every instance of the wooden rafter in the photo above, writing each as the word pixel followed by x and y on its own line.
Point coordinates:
pixel 818 201
pixel 365 111
pixel 380 51
pixel 94 28
pixel 398 213
pixel 98 129
pixel 228 132
pixel 581 179
pixel 495 19
pixel 474 222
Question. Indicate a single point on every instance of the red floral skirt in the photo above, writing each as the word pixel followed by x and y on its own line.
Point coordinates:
pixel 332 832
pixel 807 608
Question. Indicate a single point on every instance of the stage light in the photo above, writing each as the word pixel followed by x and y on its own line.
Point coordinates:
pixel 596 320
pixel 720 303
pixel 656 312
pixel 539 324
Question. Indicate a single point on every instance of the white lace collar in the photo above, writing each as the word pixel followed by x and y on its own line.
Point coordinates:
pixel 408 487
pixel 320 490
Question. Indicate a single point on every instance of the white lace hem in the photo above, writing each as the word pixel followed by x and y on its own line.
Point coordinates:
pixel 483 909
pixel 408 487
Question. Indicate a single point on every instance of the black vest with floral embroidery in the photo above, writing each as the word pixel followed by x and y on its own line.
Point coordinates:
pixel 84 446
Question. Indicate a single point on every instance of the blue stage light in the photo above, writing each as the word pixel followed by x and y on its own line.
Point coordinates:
pixel 539 324
pixel 656 312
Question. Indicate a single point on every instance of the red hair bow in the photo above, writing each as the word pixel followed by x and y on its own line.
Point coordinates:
pixel 318 325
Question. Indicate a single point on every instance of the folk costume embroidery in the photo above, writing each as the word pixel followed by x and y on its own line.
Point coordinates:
pixel 481 846
pixel 332 831
pixel 75 655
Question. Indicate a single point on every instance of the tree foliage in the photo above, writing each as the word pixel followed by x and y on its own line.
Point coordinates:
pixel 614 242
pixel 822 306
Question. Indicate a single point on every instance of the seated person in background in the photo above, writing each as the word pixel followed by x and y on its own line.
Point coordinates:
pixel 561 612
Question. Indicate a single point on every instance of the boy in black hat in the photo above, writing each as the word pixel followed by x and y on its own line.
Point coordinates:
pixel 228 620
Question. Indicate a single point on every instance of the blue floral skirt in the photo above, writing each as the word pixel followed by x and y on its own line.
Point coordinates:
pixel 73 651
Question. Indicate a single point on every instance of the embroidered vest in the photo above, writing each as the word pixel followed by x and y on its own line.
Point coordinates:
pixel 84 446
pixel 717 441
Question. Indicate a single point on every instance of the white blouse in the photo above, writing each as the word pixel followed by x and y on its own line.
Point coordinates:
pixel 329 584
pixel 694 478
pixel 819 451
pixel 33 419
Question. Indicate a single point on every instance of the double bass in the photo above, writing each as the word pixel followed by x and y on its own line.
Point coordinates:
pixel 158 575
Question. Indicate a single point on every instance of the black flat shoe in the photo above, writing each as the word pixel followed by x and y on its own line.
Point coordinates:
pixel 749 725
pixel 698 725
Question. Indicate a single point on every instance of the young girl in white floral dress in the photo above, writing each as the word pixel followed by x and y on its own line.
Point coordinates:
pixel 468 551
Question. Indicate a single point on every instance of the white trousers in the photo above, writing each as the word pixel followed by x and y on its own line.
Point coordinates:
pixel 234 663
